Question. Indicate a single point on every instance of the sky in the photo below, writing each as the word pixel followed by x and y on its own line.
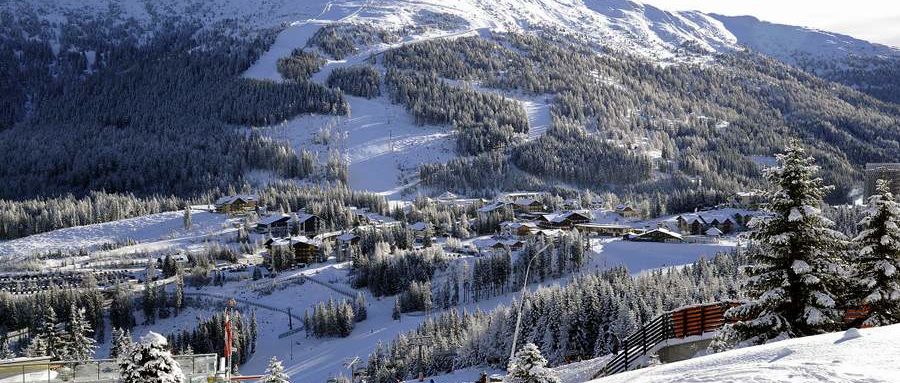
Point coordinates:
pixel 872 20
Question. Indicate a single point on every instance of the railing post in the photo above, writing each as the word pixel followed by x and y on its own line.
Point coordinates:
pixel 644 337
pixel 684 323
pixel 702 320
pixel 625 350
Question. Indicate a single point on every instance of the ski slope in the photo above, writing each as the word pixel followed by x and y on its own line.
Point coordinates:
pixel 867 355
pixel 151 232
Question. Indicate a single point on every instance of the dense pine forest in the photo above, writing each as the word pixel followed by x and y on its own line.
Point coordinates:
pixel 151 118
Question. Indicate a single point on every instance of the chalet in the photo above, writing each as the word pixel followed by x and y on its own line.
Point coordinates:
pixel 565 220
pixel 692 224
pixel 346 240
pixel 365 217
pixel 305 250
pixel 626 211
pixel 713 232
pixel 273 243
pixel 499 244
pixel 606 230
pixel 515 196
pixel 419 229
pixel 549 234
pixel 277 225
pixel 527 205
pixel 518 229
pixel 450 199
pixel 308 223
pixel 659 235
pixel 236 204
pixel 493 207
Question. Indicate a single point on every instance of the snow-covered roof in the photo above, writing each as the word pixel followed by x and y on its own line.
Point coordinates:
pixel 232 198
pixel 713 232
pixel 662 231
pixel 418 226
pixel 516 225
pixel 561 217
pixel 526 202
pixel 268 220
pixel 347 237
pixel 302 217
pixel 447 196
pixel 492 206
pixel 485 243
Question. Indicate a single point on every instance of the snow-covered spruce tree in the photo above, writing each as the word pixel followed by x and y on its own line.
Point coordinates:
pixel 78 342
pixel 529 366
pixel 5 351
pixel 121 343
pixel 150 362
pixel 796 271
pixel 878 258
pixel 275 372
pixel 49 340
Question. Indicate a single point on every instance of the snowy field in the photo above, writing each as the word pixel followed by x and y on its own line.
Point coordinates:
pixel 642 256
pixel 868 355
pixel 151 232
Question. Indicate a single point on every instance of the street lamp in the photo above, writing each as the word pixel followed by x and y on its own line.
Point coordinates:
pixel 512 353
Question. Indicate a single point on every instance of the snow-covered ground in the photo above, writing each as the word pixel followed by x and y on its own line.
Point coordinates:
pixel 380 140
pixel 642 256
pixel 867 355
pixel 163 230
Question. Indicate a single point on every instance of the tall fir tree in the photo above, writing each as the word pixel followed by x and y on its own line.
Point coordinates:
pixel 5 351
pixel 150 294
pixel 121 344
pixel 796 272
pixel 51 336
pixel 150 362
pixel 275 372
pixel 529 366
pixel 878 258
pixel 79 344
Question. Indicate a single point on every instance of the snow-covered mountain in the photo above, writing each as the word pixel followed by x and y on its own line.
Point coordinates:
pixel 787 42
pixel 620 24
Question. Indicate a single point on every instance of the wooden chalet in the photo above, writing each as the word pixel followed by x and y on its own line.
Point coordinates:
pixel 659 235
pixel 236 204
pixel 626 211
pixel 527 205
pixel 565 220
pixel 518 229
pixel 277 225
pixel 604 229
pixel 308 223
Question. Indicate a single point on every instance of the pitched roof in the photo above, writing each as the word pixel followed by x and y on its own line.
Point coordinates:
pixel 270 219
pixel 418 226
pixel 232 198
pixel 492 206
pixel 302 217
pixel 663 231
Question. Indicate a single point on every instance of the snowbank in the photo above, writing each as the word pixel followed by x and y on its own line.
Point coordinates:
pixel 868 355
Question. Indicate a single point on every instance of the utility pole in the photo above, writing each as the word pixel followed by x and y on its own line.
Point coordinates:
pixel 290 320
pixel 512 353
pixel 421 341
